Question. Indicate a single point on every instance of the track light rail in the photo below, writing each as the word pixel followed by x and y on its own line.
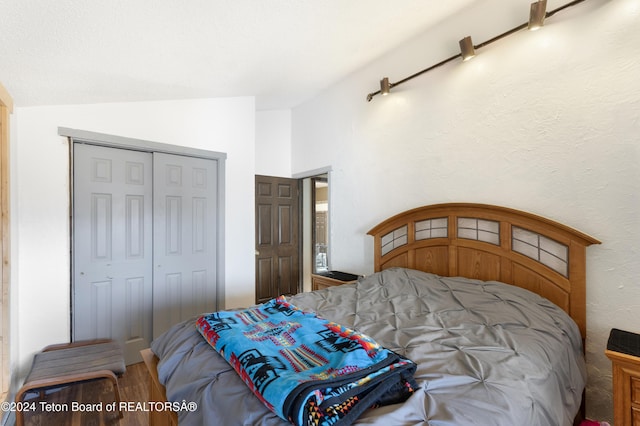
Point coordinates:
pixel 476 46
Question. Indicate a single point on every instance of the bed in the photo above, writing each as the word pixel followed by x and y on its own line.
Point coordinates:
pixel 489 302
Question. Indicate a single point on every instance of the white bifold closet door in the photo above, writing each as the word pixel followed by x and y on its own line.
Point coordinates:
pixel 184 242
pixel 144 243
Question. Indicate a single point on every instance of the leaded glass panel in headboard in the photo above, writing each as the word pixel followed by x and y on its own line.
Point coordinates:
pixel 432 228
pixel 394 239
pixel 472 228
pixel 549 252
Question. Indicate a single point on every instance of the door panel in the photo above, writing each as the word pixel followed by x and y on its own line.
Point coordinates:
pixel 185 206
pixel 277 237
pixel 112 272
pixel 264 279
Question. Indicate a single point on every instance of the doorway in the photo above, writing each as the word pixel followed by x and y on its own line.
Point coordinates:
pixel 319 190
pixel 146 245
pixel 313 239
pixel 277 237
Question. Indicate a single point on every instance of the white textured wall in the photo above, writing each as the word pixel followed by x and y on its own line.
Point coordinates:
pixel 546 121
pixel 273 143
pixel 41 261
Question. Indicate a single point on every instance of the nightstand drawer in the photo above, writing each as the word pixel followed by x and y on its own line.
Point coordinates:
pixel 635 416
pixel 635 390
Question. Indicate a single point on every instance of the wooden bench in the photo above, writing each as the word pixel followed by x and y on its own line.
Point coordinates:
pixel 71 363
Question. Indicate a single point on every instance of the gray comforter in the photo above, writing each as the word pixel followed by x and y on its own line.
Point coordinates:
pixel 487 354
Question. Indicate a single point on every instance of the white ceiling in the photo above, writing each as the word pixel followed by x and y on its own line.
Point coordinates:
pixel 280 51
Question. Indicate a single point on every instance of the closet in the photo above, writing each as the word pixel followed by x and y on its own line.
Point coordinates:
pixel 145 242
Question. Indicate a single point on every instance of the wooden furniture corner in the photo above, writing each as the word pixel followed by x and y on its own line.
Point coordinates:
pixel 320 282
pixel 626 388
pixel 157 392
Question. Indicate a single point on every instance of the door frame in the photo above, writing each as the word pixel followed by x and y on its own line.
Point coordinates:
pixel 121 142
pixel 306 239
pixel 6 109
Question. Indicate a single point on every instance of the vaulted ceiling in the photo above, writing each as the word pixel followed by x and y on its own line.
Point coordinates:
pixel 280 51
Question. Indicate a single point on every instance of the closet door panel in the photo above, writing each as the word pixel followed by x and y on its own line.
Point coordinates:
pixel 112 246
pixel 185 197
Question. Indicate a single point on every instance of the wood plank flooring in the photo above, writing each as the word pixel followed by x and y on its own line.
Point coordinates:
pixel 133 388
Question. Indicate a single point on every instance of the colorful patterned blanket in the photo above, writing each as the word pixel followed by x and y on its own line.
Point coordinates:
pixel 306 369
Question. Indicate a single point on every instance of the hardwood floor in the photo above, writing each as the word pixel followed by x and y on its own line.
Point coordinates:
pixel 133 389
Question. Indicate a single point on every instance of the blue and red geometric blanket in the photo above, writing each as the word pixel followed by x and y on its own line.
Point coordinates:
pixel 306 369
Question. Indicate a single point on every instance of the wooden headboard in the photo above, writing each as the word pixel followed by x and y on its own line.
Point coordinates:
pixel 490 243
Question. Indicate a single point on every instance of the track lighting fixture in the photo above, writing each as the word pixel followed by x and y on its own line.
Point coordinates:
pixel 537 14
pixel 466 48
pixel 385 86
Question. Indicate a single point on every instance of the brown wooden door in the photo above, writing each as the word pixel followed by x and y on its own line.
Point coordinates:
pixel 277 237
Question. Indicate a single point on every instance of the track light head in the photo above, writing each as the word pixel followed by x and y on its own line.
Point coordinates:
pixel 537 14
pixel 385 86
pixel 466 48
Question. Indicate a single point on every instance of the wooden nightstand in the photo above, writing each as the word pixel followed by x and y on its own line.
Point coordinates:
pixel 623 349
pixel 331 279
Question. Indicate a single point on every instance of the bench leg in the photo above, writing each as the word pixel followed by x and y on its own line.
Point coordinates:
pixel 116 394
pixel 18 399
